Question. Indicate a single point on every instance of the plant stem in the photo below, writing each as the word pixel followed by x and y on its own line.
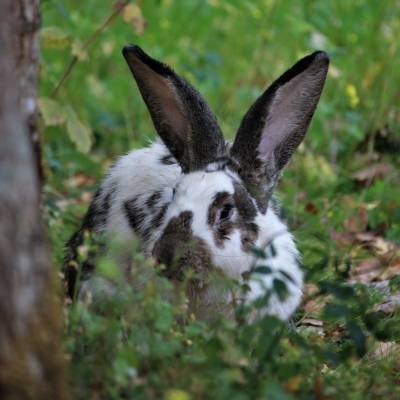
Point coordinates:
pixel 92 38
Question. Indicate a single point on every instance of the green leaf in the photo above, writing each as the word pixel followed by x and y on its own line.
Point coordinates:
pixel 78 132
pixel 108 270
pixel 274 392
pixel 280 289
pixel 333 310
pixel 258 253
pixel 262 269
pixel 394 284
pixel 54 37
pixel 53 113
pixel 358 337
pixel 176 394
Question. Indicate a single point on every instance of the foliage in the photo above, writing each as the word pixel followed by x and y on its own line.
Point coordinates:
pixel 340 195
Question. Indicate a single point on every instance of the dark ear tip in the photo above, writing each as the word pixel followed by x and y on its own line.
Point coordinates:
pixel 131 49
pixel 320 57
pixel 132 53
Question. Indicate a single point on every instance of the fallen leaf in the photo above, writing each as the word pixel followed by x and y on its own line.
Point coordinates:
pixel 79 180
pixel 382 246
pixel 371 173
pixel 393 268
pixel 311 322
pixel 365 236
pixel 357 222
pixel 390 305
pixel 378 244
pixel 312 304
pixel 343 238
pixel 385 349
pixel 368 270
pixel 311 208
pixel 314 307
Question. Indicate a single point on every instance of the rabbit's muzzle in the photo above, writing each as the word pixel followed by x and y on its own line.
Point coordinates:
pixel 180 251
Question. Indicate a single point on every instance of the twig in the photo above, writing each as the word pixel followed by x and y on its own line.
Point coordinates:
pixel 92 38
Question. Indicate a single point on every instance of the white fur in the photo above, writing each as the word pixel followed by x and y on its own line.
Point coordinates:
pixel 140 173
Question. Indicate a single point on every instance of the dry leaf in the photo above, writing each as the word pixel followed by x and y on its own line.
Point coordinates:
pixel 378 244
pixel 342 238
pixel 371 173
pixel 365 237
pixel 358 222
pixel 367 271
pixel 311 304
pixel 311 322
pixel 85 198
pixel 390 305
pixel 385 349
pixel 311 208
pixel 79 180
pixel 132 14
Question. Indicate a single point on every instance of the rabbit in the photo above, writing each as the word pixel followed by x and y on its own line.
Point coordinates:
pixel 194 200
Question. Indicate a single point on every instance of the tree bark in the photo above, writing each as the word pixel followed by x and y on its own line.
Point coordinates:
pixel 31 358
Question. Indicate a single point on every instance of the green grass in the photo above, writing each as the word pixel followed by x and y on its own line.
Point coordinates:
pixel 138 345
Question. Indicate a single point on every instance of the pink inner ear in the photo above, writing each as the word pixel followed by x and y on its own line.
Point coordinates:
pixel 290 113
pixel 161 97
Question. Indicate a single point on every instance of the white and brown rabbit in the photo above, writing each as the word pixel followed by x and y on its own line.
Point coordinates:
pixel 194 200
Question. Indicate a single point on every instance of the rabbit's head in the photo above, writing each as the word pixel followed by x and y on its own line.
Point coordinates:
pixel 219 208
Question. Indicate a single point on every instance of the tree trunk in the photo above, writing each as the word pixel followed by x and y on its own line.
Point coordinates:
pixel 31 359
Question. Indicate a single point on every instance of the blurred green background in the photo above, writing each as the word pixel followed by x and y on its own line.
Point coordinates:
pixel 230 51
pixel 340 193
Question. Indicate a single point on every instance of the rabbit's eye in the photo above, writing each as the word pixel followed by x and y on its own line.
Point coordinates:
pixel 226 212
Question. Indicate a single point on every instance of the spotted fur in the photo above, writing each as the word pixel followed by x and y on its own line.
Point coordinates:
pixel 196 201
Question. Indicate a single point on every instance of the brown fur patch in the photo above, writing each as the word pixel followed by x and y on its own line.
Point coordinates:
pixel 153 199
pixel 247 213
pixel 178 249
pixel 159 217
pixel 134 214
pixel 222 229
pixel 219 200
pixel 243 221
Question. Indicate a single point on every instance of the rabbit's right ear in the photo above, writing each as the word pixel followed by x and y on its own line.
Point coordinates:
pixel 276 124
pixel 180 115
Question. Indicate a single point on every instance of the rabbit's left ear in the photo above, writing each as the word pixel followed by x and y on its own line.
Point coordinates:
pixel 276 124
